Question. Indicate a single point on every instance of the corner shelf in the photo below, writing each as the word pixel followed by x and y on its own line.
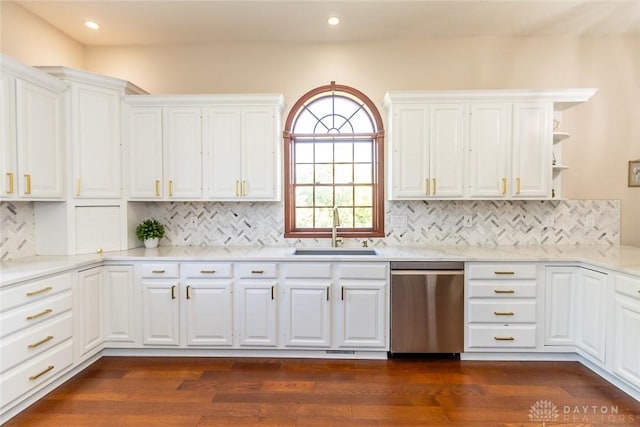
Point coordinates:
pixel 560 167
pixel 560 136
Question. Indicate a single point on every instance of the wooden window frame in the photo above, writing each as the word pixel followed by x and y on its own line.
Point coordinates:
pixel 377 229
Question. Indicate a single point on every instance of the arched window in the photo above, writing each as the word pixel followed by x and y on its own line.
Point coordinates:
pixel 334 159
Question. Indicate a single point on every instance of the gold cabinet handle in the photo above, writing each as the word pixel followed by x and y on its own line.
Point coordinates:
pixel 42 313
pixel 157 188
pixel 188 295
pixel 39 291
pixel 27 178
pixel 170 188
pixel 42 341
pixel 157 271
pixel 504 186
pixel 427 188
pixel 10 177
pixel 434 186
pixel 503 273
pixel 257 271
pixel 236 188
pixel 99 250
pixel 517 185
pixel 36 376
pixel 503 313
pixel 77 187
pixel 503 338
pixel 173 292
pixel 508 291
pixel 244 188
pixel 207 271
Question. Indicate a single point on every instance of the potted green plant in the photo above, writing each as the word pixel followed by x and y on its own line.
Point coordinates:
pixel 150 231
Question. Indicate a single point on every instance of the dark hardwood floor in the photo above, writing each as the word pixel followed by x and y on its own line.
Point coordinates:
pixel 125 391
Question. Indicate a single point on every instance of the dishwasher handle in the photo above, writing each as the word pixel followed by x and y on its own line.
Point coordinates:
pixel 427 272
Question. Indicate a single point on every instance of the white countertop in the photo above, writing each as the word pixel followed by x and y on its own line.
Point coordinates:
pixel 620 258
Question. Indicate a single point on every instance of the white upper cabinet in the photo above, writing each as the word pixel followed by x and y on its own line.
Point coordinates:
pixel 145 152
pixel 31 138
pixel 484 144
pixel 242 160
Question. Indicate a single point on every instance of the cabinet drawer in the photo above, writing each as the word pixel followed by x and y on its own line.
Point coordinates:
pixel 628 285
pixel 246 271
pixel 171 270
pixel 502 271
pixel 363 271
pixel 502 312
pixel 200 270
pixel 502 336
pixel 502 289
pixel 35 372
pixel 33 341
pixel 35 313
pixel 315 270
pixel 34 291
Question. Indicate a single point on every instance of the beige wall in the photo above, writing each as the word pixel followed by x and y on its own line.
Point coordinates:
pixel 605 131
pixel 33 41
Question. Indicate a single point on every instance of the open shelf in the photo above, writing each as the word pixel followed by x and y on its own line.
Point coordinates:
pixel 560 136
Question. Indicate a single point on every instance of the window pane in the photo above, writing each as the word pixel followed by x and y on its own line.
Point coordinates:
pixel 344 174
pixel 364 196
pixel 324 217
pixel 305 123
pixel 324 152
pixel 362 122
pixel 324 174
pixel 304 196
pixel 346 217
pixel 362 152
pixel 362 173
pixel 304 174
pixel 363 217
pixel 344 196
pixel 343 152
pixel 304 152
pixel 324 196
pixel 304 218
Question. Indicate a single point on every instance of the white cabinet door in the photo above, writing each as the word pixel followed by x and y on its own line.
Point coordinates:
pixel 626 357
pixel 39 141
pixel 182 135
pixel 90 238
pixel 531 151
pixel 208 307
pixel 560 301
pixel 446 135
pixel 224 153
pixel 160 312
pixel 362 314
pixel 95 133
pixel 256 313
pixel 120 305
pixel 489 141
pixel 145 152
pixel 306 318
pixel 259 153
pixel 591 321
pixel 8 155
pixel 88 313
pixel 410 152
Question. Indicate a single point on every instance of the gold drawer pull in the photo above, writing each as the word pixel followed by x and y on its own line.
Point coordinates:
pixel 188 293
pixel 42 341
pixel 173 292
pixel 434 186
pixel 36 376
pixel 504 272
pixel 207 271
pixel 10 176
pixel 157 271
pixel 42 313
pixel 27 178
pixel 236 188
pixel 504 186
pixel 257 271
pixel 244 188
pixel 507 291
pixel 77 187
pixel 426 186
pixel 157 188
pixel 517 185
pixel 503 313
pixel 170 188
pixel 39 291
pixel 504 338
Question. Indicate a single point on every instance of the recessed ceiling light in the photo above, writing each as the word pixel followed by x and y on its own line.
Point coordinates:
pixel 334 20
pixel 92 25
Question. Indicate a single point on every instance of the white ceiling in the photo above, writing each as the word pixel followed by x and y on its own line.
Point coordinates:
pixel 128 22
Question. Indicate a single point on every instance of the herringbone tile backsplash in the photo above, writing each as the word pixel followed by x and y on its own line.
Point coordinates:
pixel 411 223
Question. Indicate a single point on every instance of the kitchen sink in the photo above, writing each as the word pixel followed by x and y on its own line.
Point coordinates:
pixel 335 251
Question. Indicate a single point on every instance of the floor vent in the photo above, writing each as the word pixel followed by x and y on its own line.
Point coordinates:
pixel 341 352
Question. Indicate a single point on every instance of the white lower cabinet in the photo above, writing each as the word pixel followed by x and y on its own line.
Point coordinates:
pixel 120 306
pixel 560 289
pixel 256 313
pixel 626 340
pixel 209 312
pixel 88 312
pixel 161 312
pixel 591 297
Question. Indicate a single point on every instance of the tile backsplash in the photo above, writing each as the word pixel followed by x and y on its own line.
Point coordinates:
pixel 407 223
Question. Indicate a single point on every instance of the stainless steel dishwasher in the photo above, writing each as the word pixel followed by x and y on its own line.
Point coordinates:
pixel 427 303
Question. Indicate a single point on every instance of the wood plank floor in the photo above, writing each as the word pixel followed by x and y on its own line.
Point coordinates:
pixel 124 391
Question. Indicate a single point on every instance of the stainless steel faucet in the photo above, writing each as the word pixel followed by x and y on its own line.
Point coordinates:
pixel 334 230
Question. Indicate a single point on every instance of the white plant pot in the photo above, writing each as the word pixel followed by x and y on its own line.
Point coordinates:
pixel 151 243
